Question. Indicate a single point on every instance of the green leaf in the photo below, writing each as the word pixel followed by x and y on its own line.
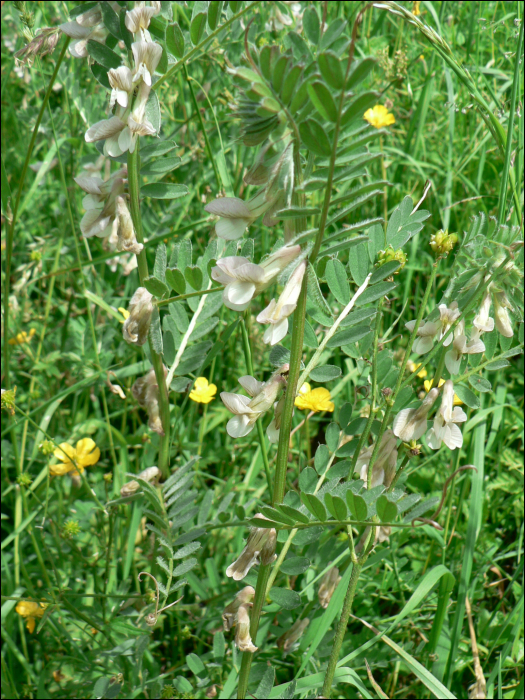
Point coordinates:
pixel 322 100
pixel 295 566
pixel 276 516
pixel 422 508
pixel 292 513
pixel 359 71
pixel 159 269
pixel 193 276
pixel 111 20
pixel 101 75
pixel 214 14
pixel 480 383
pixel 290 83
pixel 179 315
pixel 336 506
pixel 357 505
pixel 152 111
pixel 279 71
pixel 345 415
pixel 332 437
pixel 195 664
pixel 164 190
pixel 175 39
pixel 358 107
pixel 311 24
pixel 467 396
pixel 188 549
pixel 197 28
pixel 376 241
pixel 386 270
pixel 386 510
pixel 376 292
pixel 314 505
pixel 265 60
pixel 332 33
pixel 314 137
pixel 308 480
pixel 159 148
pixel 326 373
pixel 337 281
pixel 176 280
pixel 279 356
pixel 358 263
pixel 289 600
pixel 265 686
pixel 219 643
pixel 160 167
pixel 186 566
pixel 101 54
pixel 155 286
pixel 315 296
pixel 296 212
pixel 347 336
pixel 331 70
pixel 310 339
pixel 322 457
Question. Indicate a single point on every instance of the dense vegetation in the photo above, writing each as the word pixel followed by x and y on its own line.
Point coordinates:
pixel 262 349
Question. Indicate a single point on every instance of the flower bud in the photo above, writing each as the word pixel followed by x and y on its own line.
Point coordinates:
pixel 502 318
pixel 390 254
pixel 288 639
pixel 136 327
pixel 243 639
pixel 260 545
pixel 328 585
pixel 443 242
pixel 243 597
pixel 127 240
pixel 149 474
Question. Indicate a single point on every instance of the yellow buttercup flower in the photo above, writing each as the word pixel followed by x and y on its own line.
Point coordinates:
pixel 415 8
pixel 314 399
pixel 30 610
pixel 22 337
pixel 76 459
pixel 202 391
pixel 379 116
pixel 412 366
pixel 428 386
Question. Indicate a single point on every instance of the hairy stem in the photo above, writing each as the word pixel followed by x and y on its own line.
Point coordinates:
pixel 158 365
pixel 341 629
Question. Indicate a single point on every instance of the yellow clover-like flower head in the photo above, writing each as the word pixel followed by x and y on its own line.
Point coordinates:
pixel 379 116
pixel 203 391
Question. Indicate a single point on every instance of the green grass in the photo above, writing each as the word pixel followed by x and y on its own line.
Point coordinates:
pixel 77 547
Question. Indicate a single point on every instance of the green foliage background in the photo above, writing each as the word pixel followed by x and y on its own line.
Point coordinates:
pixel 92 641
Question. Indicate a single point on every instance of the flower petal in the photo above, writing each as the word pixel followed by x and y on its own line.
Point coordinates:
pixel 239 426
pixel 229 207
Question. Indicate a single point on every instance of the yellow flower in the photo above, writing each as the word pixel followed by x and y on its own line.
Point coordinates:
pixel 22 337
pixel 85 454
pixel 124 312
pixel 412 366
pixel 30 610
pixel 203 392
pixel 428 386
pixel 415 8
pixel 314 399
pixel 379 116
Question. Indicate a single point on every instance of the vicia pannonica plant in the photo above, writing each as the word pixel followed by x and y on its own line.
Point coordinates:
pixel 269 305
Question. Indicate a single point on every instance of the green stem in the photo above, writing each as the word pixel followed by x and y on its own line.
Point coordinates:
pixel 258 602
pixel 260 433
pixel 439 368
pixel 341 628
pixel 368 426
pixel 158 365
